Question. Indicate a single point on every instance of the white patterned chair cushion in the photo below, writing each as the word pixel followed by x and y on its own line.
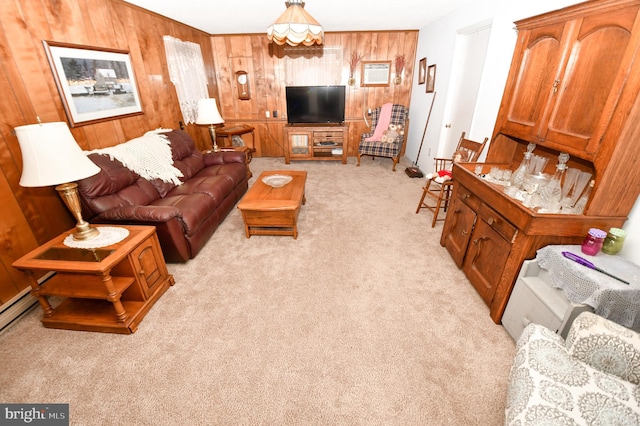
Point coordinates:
pixel 548 385
pixel 606 346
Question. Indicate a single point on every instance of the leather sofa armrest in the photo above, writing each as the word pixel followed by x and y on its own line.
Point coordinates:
pixel 224 157
pixel 141 214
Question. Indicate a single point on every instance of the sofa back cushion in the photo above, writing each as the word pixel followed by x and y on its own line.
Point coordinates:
pixel 186 157
pixel 605 346
pixel 114 186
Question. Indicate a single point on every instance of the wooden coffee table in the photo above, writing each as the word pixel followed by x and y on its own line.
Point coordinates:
pixel 273 211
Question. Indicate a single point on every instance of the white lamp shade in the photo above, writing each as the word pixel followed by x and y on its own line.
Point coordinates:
pixel 208 112
pixel 51 156
pixel 295 26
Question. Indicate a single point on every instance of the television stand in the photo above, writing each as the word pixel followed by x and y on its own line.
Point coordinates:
pixel 322 141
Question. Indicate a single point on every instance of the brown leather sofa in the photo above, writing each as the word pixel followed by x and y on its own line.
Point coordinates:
pixel 185 216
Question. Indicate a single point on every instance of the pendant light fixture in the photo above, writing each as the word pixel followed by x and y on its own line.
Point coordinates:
pixel 295 27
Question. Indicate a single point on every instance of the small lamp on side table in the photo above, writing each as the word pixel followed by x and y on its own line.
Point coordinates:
pixel 51 156
pixel 208 115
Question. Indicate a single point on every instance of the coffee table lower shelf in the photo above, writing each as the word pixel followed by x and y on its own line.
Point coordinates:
pixel 271 223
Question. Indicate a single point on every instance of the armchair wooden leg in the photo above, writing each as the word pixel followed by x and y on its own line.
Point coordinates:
pixel 395 161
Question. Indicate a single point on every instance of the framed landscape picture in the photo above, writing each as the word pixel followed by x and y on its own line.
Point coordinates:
pixel 95 84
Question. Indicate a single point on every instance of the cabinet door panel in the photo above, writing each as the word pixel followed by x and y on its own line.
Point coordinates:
pixel 457 229
pixel 591 84
pixel 300 144
pixel 486 257
pixel 532 79
pixel 146 262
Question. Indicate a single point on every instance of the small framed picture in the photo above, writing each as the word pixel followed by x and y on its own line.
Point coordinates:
pixel 96 84
pixel 422 70
pixel 431 78
pixel 376 73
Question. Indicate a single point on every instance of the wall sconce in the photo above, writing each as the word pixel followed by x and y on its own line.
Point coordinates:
pixel 400 63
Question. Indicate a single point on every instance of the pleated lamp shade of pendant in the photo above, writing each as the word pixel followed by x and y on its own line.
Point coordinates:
pixel 295 27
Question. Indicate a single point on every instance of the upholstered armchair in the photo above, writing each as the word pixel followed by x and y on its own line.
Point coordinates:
pixel 383 148
pixel 589 379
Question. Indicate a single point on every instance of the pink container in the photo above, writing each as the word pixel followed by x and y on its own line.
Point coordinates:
pixel 592 243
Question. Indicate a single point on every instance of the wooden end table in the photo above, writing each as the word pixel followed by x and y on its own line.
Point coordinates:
pixel 273 211
pixel 108 289
pixel 238 129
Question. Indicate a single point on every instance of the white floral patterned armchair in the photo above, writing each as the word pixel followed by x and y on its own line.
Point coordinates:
pixel 590 379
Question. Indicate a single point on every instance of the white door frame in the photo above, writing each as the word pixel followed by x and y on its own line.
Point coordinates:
pixel 448 140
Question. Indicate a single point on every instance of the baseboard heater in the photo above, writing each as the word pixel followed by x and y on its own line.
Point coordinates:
pixel 19 305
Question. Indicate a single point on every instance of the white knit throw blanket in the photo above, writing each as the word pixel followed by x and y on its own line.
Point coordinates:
pixel 149 156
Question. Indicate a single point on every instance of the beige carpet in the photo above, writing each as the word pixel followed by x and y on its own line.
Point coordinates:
pixel 363 320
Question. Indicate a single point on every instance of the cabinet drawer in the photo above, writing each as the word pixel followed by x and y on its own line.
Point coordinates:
pixel 497 222
pixel 327 136
pixel 535 299
pixel 468 197
pixel 526 307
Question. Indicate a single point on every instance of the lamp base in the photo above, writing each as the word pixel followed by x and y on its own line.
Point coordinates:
pixel 212 133
pixel 69 194
pixel 85 231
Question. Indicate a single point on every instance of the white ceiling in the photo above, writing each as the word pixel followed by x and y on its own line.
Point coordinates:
pixel 254 16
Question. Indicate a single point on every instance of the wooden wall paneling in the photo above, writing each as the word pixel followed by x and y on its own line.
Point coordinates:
pixel 266 99
pixel 34 215
pixel 24 43
pixel 149 37
pixel 94 15
pixel 361 104
pixel 276 92
pixel 24 73
pixel 10 287
pixel 63 19
pixel 268 87
pixel 16 239
pixel 276 146
pixel 220 58
pixel 257 81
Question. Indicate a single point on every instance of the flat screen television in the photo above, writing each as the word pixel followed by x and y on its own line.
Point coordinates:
pixel 315 104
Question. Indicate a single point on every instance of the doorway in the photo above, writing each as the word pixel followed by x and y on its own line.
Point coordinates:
pixel 469 57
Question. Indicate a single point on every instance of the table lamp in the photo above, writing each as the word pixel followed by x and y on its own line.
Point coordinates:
pixel 208 115
pixel 51 156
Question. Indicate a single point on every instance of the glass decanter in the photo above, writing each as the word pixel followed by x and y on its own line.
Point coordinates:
pixel 552 192
pixel 517 178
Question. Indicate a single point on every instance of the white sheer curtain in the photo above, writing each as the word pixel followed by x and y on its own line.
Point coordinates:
pixel 187 73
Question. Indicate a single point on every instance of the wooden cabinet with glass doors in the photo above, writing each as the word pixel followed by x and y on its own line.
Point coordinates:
pixel 572 88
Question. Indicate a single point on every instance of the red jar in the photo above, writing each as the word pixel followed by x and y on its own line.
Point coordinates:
pixel 592 243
